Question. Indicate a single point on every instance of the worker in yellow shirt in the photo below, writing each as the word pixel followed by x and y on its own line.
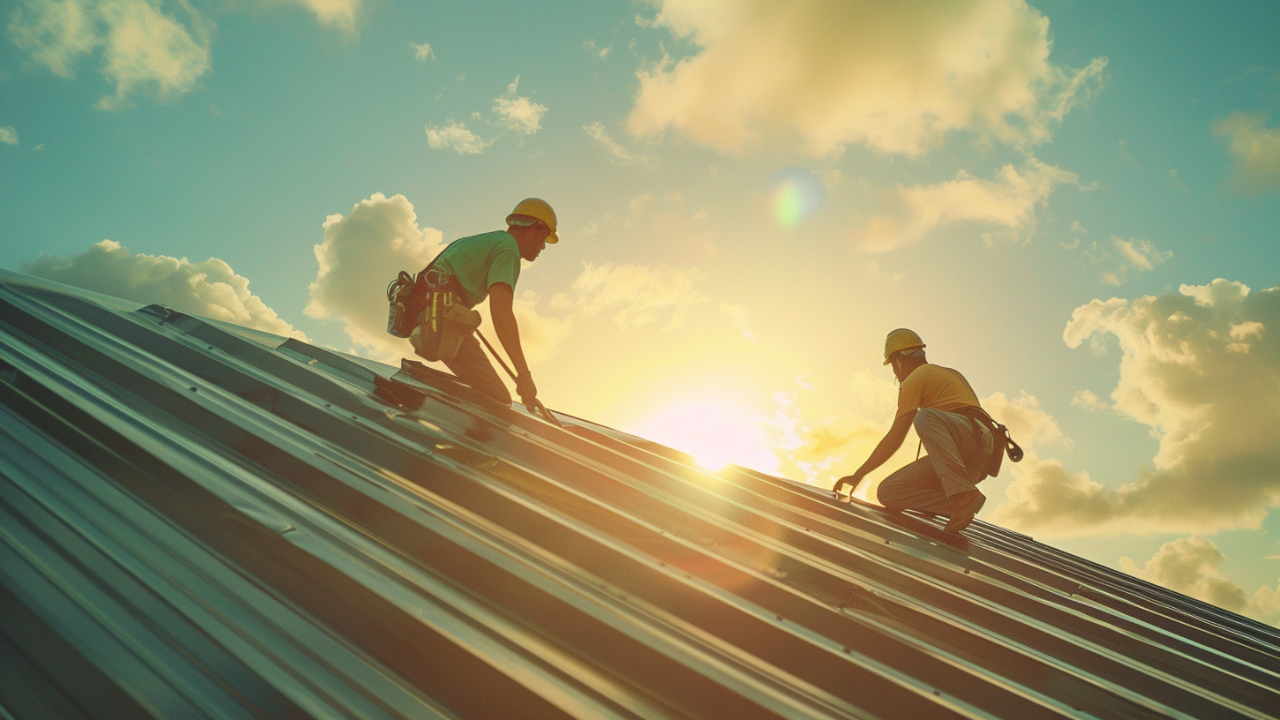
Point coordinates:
pixel 951 425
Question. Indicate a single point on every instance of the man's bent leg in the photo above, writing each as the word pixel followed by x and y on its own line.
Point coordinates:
pixel 914 486
pixel 473 368
pixel 949 440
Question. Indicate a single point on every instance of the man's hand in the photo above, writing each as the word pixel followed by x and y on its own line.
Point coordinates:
pixel 851 480
pixel 525 388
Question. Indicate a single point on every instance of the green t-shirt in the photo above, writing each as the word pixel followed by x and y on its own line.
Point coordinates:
pixel 481 260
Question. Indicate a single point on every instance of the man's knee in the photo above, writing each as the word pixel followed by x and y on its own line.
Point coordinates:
pixel 888 499
pixel 889 493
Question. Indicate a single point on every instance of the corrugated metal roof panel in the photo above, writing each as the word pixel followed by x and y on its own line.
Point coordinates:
pixel 209 521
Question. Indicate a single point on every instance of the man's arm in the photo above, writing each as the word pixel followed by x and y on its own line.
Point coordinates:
pixel 501 297
pixel 888 446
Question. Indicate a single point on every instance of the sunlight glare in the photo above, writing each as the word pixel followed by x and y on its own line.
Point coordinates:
pixel 714 433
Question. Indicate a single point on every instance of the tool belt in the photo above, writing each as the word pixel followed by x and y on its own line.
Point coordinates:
pixel 1001 441
pixel 428 310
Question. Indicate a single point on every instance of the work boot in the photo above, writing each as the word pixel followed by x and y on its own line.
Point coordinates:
pixel 963 507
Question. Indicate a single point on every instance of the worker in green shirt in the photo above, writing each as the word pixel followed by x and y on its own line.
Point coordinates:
pixel 952 426
pixel 488 265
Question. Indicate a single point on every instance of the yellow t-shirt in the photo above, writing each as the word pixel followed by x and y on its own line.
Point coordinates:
pixel 934 386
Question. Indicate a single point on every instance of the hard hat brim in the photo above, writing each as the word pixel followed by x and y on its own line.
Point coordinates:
pixel 901 350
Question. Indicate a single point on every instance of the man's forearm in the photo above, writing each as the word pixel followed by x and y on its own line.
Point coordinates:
pixel 889 444
pixel 884 450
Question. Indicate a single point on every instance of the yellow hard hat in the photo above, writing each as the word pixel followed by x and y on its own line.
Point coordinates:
pixel 899 340
pixel 536 208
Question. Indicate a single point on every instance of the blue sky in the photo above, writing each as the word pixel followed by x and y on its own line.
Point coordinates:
pixel 1066 200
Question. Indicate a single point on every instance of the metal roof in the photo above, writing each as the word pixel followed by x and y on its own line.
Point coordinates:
pixel 200 520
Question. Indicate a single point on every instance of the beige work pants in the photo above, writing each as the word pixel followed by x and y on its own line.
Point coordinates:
pixel 956 457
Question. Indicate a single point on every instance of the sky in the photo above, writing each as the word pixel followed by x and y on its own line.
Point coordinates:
pixel 1076 205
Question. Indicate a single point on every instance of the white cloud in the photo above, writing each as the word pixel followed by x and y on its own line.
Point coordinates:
pixel 617 153
pixel 894 76
pixel 359 255
pixel 591 47
pixel 56 32
pixel 209 288
pixel 1189 565
pixel 1211 398
pixel 519 113
pixel 1255 150
pixel 515 113
pixel 1088 401
pixel 423 51
pixel 634 295
pixel 341 14
pixel 1133 255
pixel 1030 426
pixel 8 135
pixel 1007 205
pixel 364 250
pixel 144 48
pixel 456 136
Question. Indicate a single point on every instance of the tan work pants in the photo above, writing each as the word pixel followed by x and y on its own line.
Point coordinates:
pixel 472 367
pixel 954 464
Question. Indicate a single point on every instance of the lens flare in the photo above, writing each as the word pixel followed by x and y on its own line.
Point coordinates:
pixel 714 433
pixel 796 194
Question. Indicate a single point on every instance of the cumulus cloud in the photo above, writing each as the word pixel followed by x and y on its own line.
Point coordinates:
pixel 1190 565
pixel 519 113
pixel 617 153
pixel 209 288
pixel 144 49
pixel 896 77
pixel 1030 426
pixel 456 136
pixel 1006 205
pixel 364 250
pixel 1201 369
pixel 1255 150
pixel 423 51
pixel 359 255
pixel 8 135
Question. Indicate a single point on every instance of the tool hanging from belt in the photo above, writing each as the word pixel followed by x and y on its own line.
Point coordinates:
pixel 428 311
pixel 1001 441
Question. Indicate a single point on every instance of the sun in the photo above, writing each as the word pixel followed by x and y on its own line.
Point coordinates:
pixel 715 433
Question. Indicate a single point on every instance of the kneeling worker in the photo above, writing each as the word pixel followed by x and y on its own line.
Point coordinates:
pixel 952 427
pixel 488 265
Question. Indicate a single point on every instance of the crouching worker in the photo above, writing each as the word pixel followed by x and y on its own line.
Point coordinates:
pixel 963 444
pixel 462 276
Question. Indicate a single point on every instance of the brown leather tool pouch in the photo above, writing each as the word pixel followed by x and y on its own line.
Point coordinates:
pixel 443 324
